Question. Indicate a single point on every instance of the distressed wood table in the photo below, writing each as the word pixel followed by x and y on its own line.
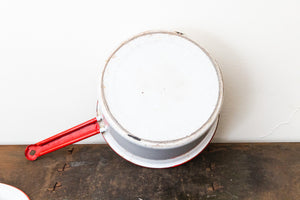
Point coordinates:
pixel 221 171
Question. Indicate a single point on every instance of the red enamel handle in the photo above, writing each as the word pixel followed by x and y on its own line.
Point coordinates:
pixel 65 138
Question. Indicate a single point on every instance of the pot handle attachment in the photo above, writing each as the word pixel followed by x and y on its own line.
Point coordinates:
pixel 65 138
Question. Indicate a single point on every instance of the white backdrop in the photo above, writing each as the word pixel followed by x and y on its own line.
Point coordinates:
pixel 51 54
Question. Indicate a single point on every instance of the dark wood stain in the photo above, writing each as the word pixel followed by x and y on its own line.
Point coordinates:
pixel 222 171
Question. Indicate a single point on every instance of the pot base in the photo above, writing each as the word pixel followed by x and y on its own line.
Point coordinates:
pixel 167 163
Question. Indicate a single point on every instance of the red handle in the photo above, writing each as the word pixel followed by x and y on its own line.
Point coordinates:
pixel 65 138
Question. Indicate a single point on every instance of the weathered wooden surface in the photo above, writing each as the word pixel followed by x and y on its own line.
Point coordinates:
pixel 222 171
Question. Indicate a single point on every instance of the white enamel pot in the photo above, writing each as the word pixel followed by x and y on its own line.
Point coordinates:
pixel 160 97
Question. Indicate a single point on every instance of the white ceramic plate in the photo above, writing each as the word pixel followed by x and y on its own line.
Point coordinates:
pixel 8 192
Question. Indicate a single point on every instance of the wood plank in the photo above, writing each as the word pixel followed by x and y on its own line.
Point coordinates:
pixel 222 171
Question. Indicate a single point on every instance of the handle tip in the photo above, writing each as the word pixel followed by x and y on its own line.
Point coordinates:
pixel 31 152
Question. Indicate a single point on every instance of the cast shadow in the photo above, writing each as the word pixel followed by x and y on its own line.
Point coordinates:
pixel 236 103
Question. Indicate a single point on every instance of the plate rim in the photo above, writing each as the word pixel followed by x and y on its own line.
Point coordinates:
pixel 25 195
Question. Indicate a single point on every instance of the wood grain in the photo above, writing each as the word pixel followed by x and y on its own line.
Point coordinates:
pixel 222 171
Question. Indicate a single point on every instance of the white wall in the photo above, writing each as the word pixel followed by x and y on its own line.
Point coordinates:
pixel 51 54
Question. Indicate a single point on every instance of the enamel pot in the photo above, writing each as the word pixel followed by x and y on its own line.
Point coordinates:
pixel 160 97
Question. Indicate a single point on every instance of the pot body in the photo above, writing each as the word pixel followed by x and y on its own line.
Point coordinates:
pixel 157 154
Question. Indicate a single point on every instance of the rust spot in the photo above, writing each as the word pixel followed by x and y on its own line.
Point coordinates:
pixel 179 33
